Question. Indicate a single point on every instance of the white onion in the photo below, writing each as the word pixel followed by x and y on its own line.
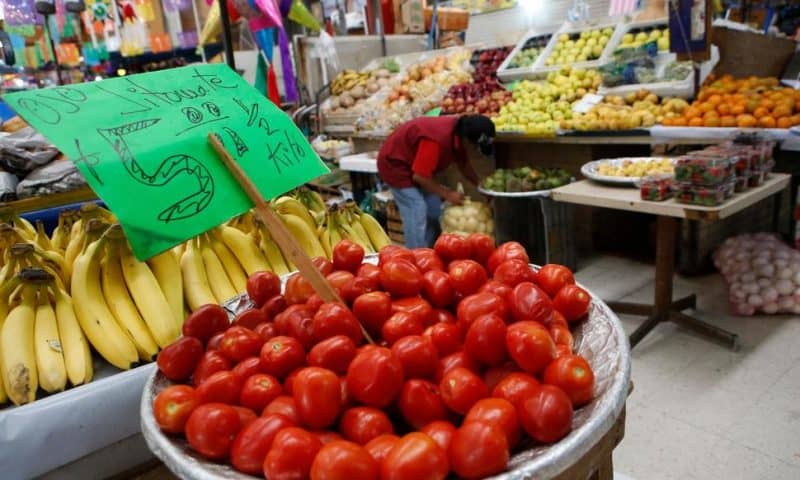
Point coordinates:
pixel 796 277
pixel 750 288
pixel 766 270
pixel 780 263
pixel 755 300
pixel 783 253
pixel 748 277
pixel 784 273
pixel 764 282
pixel 784 287
pixel 786 303
pixel 769 294
pixel 757 262
pixel 770 307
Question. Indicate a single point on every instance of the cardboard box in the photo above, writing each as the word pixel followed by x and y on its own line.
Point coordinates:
pixel 413 16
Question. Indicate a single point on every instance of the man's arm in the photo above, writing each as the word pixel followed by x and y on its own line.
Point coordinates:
pixel 423 167
pixel 432 186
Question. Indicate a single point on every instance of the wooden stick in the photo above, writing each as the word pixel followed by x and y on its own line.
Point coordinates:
pixel 287 243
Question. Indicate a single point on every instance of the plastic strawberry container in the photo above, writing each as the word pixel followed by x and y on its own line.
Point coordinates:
pixel 656 188
pixel 703 169
pixel 706 196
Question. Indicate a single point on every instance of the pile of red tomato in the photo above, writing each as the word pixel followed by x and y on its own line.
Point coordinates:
pixel 472 360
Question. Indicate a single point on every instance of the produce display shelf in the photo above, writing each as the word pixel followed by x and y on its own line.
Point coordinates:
pixel 53 200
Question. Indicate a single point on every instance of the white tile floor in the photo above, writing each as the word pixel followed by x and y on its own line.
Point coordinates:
pixel 699 410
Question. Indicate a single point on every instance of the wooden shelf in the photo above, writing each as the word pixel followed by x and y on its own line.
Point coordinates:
pixel 53 200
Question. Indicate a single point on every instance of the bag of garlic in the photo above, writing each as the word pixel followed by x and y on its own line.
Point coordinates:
pixel 762 272
pixel 470 217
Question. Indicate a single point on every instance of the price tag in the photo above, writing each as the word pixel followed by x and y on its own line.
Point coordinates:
pixel 586 103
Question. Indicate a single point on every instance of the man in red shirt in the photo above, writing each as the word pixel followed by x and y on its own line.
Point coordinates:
pixel 421 148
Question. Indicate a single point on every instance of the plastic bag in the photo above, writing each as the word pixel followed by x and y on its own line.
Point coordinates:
pixel 8 186
pixel 25 150
pixel 326 50
pixel 55 177
pixel 470 217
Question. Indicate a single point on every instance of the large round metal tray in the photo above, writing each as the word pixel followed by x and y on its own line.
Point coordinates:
pixel 589 170
pixel 600 339
pixel 529 194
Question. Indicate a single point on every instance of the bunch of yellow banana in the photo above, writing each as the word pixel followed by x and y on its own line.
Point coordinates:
pixel 301 225
pixel 348 79
pixel 349 222
pixel 41 341
pixel 63 231
pixel 311 200
pixel 77 234
pixel 32 252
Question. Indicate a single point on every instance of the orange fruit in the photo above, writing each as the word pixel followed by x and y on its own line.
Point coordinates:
pixel 692 112
pixel 738 109
pixel 712 122
pixel 784 122
pixel 696 122
pixel 727 121
pixel 715 99
pixel 744 120
pixel 795 120
pixel 711 114
pixel 706 107
pixel 781 111
pixel 767 122
pixel 760 112
pixel 679 122
pixel 751 106
pixel 724 109
pixel 766 103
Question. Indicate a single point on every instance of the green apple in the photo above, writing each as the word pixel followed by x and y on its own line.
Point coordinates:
pixel 641 37
pixel 663 43
pixel 627 38
pixel 569 44
pixel 591 42
pixel 594 33
pixel 579 43
pixel 655 34
pixel 602 41
pixel 608 31
pixel 597 50
pixel 563 37
pixel 582 57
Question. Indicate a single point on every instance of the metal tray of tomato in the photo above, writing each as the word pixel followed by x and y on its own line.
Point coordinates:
pixel 600 339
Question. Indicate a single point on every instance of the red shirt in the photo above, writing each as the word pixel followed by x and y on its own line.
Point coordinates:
pixel 425 146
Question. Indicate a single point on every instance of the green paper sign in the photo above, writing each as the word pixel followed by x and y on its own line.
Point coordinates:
pixel 434 112
pixel 141 144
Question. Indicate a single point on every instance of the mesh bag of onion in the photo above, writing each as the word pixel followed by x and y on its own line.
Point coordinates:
pixel 762 272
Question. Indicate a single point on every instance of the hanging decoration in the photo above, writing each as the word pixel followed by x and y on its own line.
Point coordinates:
pixel 299 13
pixel 21 12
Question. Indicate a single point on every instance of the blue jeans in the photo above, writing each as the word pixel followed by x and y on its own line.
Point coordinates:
pixel 420 211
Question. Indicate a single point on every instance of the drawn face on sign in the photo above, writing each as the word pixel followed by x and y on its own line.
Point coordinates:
pixel 141 144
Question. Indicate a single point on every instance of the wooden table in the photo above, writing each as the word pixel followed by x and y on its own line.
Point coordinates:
pixel 664 309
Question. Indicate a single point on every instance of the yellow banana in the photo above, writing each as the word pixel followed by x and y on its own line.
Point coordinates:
pixel 377 236
pixel 122 305
pixel 17 355
pixel 77 357
pixel 149 299
pixel 220 284
pixel 233 268
pixel 167 269
pixel 348 231
pixel 196 289
pixel 6 289
pixel 245 249
pixel 47 345
pixel 93 314
pixel 305 235
pixel 273 253
pixel 41 238
pixel 288 205
pixel 325 241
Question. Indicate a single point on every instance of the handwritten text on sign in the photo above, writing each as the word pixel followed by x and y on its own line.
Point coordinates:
pixel 141 143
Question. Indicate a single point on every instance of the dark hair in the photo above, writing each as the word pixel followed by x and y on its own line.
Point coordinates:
pixel 479 130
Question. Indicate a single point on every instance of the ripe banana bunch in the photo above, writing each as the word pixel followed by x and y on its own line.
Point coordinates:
pixel 347 80
pixel 63 231
pixel 280 265
pixel 311 200
pixel 350 223
pixel 24 227
pixel 29 253
pixel 77 236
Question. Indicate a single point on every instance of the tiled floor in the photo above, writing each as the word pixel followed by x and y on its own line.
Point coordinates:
pixel 699 410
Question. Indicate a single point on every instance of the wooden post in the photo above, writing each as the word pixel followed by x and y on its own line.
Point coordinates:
pixel 287 243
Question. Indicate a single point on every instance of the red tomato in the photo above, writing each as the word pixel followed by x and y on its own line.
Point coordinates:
pixel 467 276
pixel 561 335
pixel 281 320
pixel 333 319
pixel 211 363
pixel 499 412
pixel 172 407
pixel 347 255
pixel 300 325
pixel 254 442
pixel 481 247
pixel 445 337
pixel 573 302
pixel 450 247
pixel 281 355
pixel 530 346
pixel 516 387
pixel 370 272
pixel 375 377
pixel 318 396
pixel 372 310
pixel 274 306
pixel 211 429
pixel 323 265
pixel 314 302
pixel 402 324
pixel 461 388
pixel 343 460
pixel 485 340
pixel 415 456
pixel 298 289
pixel 437 287
pixel 563 350
pixel 394 251
pixel 259 391
pixel 239 343
pixel 529 302
pixel 441 431
pixel 335 354
pixel 205 322
pixel 339 279
pixel 292 453
pixel 180 358
pixel 380 446
pixel 498 288
pixel 288 382
pixel 246 416
pixel 478 450
pixel 426 259
pixel 362 424
pixel 221 387
pixel 401 278
pixel 418 356
pixel 506 251
pixel 494 375
pixel 421 403
pixel 327 436
pixel 356 287
pixel 213 342
pixel 478 305
pixel 455 360
pixel 261 286
pixel 283 405
pixel 553 277
pixel 512 272
pixel 266 330
pixel 558 320
pixel 573 375
pixel 547 414
pixel 443 315
pixel 416 305
pixel 247 368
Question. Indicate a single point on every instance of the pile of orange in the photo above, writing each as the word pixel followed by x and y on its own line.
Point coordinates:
pixel 746 102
